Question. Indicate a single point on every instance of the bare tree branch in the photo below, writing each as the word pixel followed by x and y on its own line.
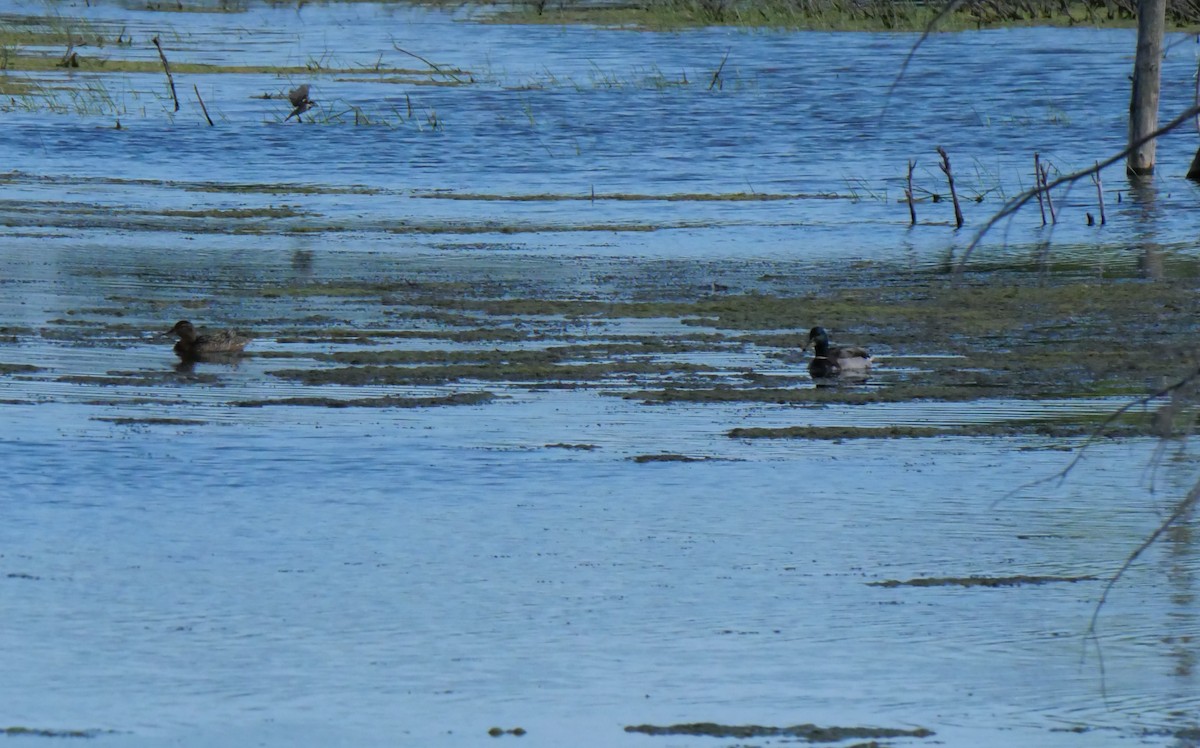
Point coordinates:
pixel 427 62
pixel 949 8
pixel 1018 202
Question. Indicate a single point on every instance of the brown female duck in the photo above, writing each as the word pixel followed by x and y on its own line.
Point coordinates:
pixel 831 361
pixel 194 347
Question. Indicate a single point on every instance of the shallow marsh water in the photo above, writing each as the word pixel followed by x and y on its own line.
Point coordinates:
pixel 179 568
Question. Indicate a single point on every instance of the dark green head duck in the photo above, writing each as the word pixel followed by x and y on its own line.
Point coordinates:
pixel 829 361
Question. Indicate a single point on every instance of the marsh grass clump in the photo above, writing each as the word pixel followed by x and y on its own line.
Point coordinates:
pixel 857 15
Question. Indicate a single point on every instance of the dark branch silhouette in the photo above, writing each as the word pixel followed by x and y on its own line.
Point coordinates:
pixel 1018 202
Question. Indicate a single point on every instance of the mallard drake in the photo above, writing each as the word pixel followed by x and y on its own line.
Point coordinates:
pixel 830 361
pixel 194 347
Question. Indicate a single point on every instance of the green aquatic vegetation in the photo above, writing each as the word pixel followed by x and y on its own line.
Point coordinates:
pixel 23 60
pixel 10 369
pixel 150 421
pixel 668 457
pixel 834 15
pixel 273 189
pixel 1081 425
pixel 234 213
pixel 553 354
pixel 387 401
pixel 37 732
pixel 394 289
pixel 623 197
pixel 807 732
pixel 543 371
pixel 1013 581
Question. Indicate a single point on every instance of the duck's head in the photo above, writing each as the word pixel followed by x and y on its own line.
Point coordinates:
pixel 183 329
pixel 817 335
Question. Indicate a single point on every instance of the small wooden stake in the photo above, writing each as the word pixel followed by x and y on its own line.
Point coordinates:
pixel 1099 192
pixel 162 55
pixel 202 107
pixel 908 193
pixel 1037 182
pixel 958 216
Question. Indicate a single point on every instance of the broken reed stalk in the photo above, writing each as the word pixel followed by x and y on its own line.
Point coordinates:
pixel 1037 182
pixel 1193 172
pixel 162 56
pixel 202 107
pixel 717 75
pixel 1099 192
pixel 958 216
pixel 446 73
pixel 908 193
pixel 1045 186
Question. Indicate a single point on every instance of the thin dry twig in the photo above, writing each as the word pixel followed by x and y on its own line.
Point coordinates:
pixel 908 193
pixel 1061 475
pixel 958 216
pixel 1099 195
pixel 167 68
pixel 202 107
pixel 448 74
pixel 1049 200
pixel 949 8
pixel 1037 179
pixel 1181 510
pixel 717 75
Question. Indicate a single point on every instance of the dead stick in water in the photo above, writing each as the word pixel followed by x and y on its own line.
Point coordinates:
pixel 162 55
pixel 908 193
pixel 958 216
pixel 1046 189
pixel 202 107
pixel 717 75
pixel 427 62
pixel 1037 182
pixel 1099 192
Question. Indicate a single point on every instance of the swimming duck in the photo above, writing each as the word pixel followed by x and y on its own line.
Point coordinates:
pixel 194 347
pixel 830 362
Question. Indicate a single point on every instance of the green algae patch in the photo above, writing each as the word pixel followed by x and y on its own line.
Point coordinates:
pixel 1013 581
pixel 10 369
pixel 92 60
pixel 808 732
pixel 388 401
pixel 828 15
pixel 521 372
pixel 150 421
pixel 696 197
pixel 552 354
pixel 668 457
pixel 234 213
pixel 37 732
pixel 1084 425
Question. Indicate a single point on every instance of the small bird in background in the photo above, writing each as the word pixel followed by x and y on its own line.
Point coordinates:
pixel 300 102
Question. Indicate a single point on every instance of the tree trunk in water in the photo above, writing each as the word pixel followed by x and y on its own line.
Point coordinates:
pixel 1143 105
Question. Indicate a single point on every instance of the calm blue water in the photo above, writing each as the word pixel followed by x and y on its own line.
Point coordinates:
pixel 315 576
